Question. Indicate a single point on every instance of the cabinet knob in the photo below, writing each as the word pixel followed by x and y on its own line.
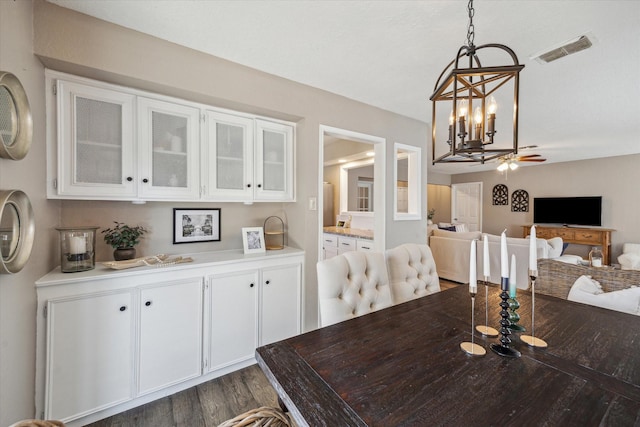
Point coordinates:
pixel 129 178
pixel 251 285
pixel 248 185
pixel 259 185
pixel 123 308
pixel 145 180
pixel 148 303
pixel 267 282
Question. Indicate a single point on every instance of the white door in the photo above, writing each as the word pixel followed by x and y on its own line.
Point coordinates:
pixel 170 334
pixel 280 303
pixel 90 354
pixel 234 308
pixel 466 205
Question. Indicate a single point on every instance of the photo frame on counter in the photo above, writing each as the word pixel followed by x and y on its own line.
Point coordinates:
pixel 196 225
pixel 253 240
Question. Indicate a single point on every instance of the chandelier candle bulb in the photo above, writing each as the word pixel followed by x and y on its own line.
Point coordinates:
pixel 533 258
pixel 486 271
pixel 473 280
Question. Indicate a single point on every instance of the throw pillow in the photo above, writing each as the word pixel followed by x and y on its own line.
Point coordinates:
pixel 588 291
pixel 450 228
pixel 461 228
pixel 555 247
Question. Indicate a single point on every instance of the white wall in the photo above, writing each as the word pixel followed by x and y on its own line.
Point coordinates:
pixel 614 178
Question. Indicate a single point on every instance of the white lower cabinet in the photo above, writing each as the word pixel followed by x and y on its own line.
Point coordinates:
pixel 170 334
pixel 89 354
pixel 250 308
pixel 96 341
pixel 108 341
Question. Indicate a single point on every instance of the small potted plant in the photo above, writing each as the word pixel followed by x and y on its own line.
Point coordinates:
pixel 123 238
pixel 430 215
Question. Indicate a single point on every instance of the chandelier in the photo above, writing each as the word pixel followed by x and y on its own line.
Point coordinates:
pixel 471 96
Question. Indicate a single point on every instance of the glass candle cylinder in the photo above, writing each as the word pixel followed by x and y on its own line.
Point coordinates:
pixel 596 257
pixel 77 248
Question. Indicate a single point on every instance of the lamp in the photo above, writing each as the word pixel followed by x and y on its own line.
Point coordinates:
pixel 470 92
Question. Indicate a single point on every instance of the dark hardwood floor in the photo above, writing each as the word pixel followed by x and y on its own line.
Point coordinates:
pixel 210 403
pixel 205 405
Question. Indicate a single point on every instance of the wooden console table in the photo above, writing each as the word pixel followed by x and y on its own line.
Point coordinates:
pixel 579 236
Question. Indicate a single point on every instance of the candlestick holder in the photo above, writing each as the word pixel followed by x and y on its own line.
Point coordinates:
pixel 514 317
pixel 531 340
pixel 503 349
pixel 471 347
pixel 486 330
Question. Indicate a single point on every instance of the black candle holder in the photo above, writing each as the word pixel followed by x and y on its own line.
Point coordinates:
pixel 503 349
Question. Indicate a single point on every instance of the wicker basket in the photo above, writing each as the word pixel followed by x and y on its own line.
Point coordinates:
pixel 260 417
pixel 555 278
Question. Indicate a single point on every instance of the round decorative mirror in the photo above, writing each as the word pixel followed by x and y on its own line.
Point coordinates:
pixel 16 126
pixel 17 230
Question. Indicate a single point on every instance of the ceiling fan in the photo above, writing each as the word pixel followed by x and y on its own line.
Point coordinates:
pixel 510 161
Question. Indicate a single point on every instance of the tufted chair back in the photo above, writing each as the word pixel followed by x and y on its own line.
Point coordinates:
pixel 352 284
pixel 412 272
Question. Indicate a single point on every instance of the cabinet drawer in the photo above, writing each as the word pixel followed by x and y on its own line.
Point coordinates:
pixel 346 244
pixel 365 245
pixel 330 240
pixel 566 234
pixel 588 237
pixel 545 233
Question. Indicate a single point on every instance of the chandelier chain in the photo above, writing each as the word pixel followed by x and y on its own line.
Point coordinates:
pixel 470 27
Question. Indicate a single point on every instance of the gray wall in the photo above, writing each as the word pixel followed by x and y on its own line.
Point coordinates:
pixel 68 41
pixel 614 178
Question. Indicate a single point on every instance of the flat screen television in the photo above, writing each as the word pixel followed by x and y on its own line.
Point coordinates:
pixel 568 210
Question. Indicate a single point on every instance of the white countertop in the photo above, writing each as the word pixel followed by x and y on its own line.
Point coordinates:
pixel 200 259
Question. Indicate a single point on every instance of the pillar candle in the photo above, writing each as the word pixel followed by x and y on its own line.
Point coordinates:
pixel 486 271
pixel 533 255
pixel 512 277
pixel 473 281
pixel 504 257
pixel 77 245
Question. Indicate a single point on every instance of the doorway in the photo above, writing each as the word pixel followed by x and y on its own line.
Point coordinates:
pixel 359 149
pixel 466 205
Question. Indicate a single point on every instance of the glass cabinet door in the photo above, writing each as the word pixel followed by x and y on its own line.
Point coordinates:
pixel 95 141
pixel 229 171
pixel 274 155
pixel 169 150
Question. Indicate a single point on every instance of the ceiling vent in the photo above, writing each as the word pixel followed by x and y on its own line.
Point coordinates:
pixel 573 46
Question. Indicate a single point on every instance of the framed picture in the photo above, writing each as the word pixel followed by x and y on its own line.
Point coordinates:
pixel 253 240
pixel 340 224
pixel 196 225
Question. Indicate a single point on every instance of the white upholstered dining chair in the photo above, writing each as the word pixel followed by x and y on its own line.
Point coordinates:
pixel 412 272
pixel 352 284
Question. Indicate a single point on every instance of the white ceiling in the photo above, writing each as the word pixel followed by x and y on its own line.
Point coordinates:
pixel 390 53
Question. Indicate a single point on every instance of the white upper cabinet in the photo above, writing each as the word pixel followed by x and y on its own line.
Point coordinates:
pixel 228 157
pixel 168 150
pixel 248 159
pixel 274 161
pixel 108 142
pixel 96 156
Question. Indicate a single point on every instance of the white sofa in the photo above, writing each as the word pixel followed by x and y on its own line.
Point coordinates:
pixel 451 252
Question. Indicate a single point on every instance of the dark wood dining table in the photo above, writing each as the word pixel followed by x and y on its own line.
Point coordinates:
pixel 403 366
